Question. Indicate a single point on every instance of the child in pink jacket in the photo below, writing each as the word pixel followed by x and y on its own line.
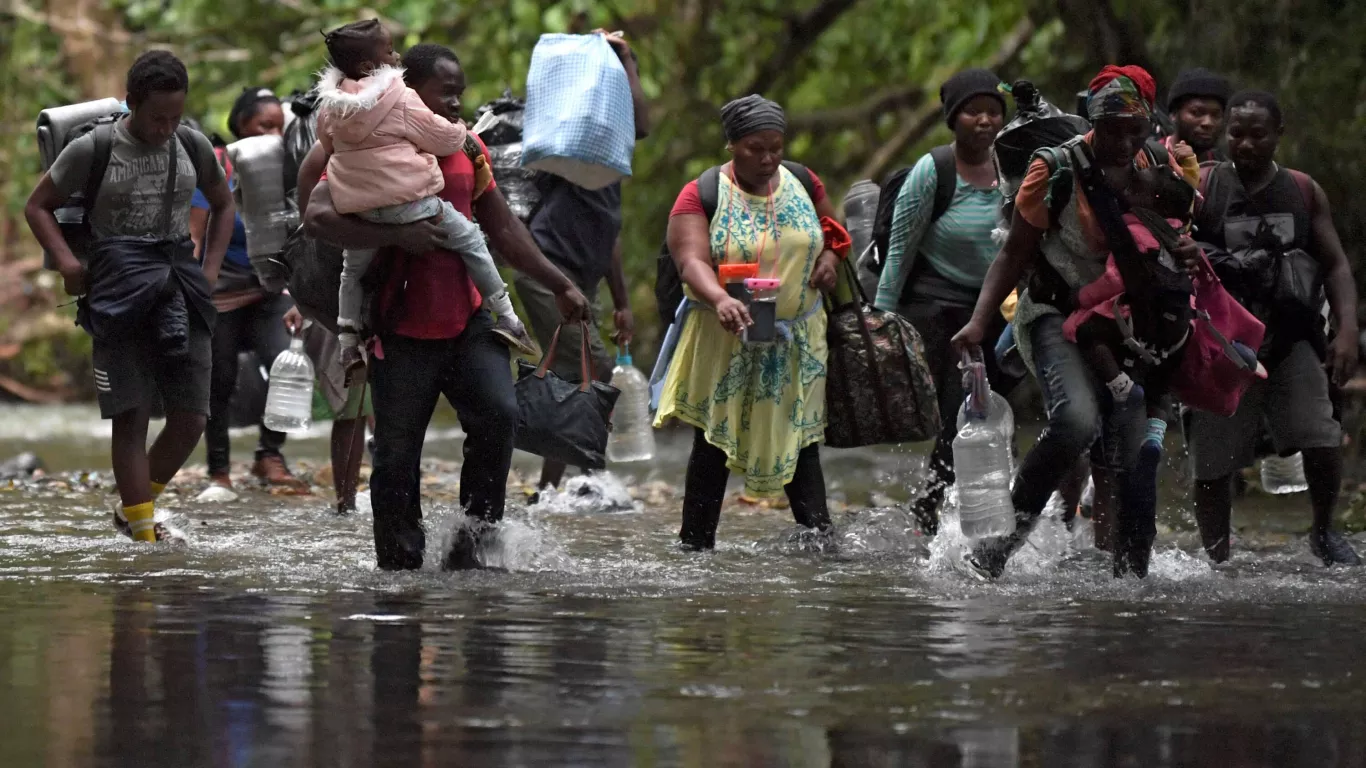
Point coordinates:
pixel 382 144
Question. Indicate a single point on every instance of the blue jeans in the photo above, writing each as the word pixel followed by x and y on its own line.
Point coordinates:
pixel 1079 418
pixel 472 371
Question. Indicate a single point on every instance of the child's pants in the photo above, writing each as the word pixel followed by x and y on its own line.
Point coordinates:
pixel 462 236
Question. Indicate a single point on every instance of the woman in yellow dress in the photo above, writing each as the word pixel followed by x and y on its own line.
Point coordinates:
pixel 758 407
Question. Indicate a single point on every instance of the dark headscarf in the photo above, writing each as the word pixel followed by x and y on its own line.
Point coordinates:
pixel 245 106
pixel 751 114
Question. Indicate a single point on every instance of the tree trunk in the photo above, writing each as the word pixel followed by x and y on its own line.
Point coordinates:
pixel 96 49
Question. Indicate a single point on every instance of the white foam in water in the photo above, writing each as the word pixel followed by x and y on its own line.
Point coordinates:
pixel 1048 544
pixel 216 494
pixel 363 505
pixel 517 544
pixel 589 494
pixel 1174 564
pixel 891 529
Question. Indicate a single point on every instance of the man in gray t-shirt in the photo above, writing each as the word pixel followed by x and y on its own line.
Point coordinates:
pixel 129 203
pixel 134 370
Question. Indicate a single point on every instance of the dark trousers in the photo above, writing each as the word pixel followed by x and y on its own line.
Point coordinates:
pixel 472 371
pixel 937 323
pixel 259 327
pixel 1078 419
pixel 706 490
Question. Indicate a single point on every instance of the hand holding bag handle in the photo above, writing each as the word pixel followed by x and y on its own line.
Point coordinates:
pixel 548 359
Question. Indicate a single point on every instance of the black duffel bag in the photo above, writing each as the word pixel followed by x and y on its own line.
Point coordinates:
pixel 879 390
pixel 560 420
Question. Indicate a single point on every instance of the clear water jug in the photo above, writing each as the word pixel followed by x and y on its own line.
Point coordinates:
pixel 1284 474
pixel 981 455
pixel 289 401
pixel 633 435
pixel 860 209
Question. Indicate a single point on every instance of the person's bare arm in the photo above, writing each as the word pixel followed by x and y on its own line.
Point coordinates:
pixel 38 212
pixel 1017 256
pixel 199 227
pixel 690 244
pixel 510 238
pixel 322 222
pixel 638 100
pixel 1340 287
pixel 310 171
pixel 222 218
pixel 624 321
pixel 824 274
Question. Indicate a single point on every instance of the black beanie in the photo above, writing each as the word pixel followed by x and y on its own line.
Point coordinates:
pixel 1199 82
pixel 965 86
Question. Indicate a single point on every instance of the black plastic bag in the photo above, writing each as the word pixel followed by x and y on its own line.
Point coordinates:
pixel 560 420
pixel 499 125
pixel 1037 124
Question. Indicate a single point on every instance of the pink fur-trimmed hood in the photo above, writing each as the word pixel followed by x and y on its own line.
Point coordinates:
pixel 358 107
pixel 382 141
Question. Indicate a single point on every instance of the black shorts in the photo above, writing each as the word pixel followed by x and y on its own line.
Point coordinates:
pixel 134 373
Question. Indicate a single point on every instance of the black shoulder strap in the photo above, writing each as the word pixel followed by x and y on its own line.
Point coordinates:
pixel 1214 188
pixel 103 135
pixel 186 135
pixel 1157 152
pixel 709 189
pixel 1062 170
pixel 946 180
pixel 168 192
pixel 803 175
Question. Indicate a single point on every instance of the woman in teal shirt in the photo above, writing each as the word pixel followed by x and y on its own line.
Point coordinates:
pixel 935 268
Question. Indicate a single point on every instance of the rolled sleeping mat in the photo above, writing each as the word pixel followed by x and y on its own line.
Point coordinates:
pixel 258 164
pixel 56 124
pixel 56 127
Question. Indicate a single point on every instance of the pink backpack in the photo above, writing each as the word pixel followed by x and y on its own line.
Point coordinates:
pixel 1213 375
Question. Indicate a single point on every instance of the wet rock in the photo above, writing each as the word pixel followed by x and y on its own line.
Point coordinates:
pixel 21 466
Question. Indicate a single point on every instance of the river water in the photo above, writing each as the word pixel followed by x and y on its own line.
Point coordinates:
pixel 270 639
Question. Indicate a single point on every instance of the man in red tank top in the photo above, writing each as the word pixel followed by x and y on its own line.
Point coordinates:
pixel 436 340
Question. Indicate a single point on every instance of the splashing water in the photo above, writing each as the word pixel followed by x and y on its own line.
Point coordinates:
pixel 600 492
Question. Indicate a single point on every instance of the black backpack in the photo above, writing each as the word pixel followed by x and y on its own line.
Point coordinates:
pixel 668 283
pixel 946 181
pixel 77 233
pixel 1065 162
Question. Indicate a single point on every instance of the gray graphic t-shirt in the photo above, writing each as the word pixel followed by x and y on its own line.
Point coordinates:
pixel 130 198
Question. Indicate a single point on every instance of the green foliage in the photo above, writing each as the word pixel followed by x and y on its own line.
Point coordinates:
pixel 696 54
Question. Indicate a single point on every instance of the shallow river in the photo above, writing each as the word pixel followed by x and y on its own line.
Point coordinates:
pixel 270 639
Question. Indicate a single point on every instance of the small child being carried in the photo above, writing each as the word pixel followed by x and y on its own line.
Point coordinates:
pixel 1164 300
pixel 382 144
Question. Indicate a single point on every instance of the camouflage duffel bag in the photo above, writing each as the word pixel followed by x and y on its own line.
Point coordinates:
pixel 879 389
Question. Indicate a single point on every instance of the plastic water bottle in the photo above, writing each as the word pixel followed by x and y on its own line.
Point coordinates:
pixel 981 456
pixel 633 435
pixel 1284 474
pixel 289 401
pixel 860 210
